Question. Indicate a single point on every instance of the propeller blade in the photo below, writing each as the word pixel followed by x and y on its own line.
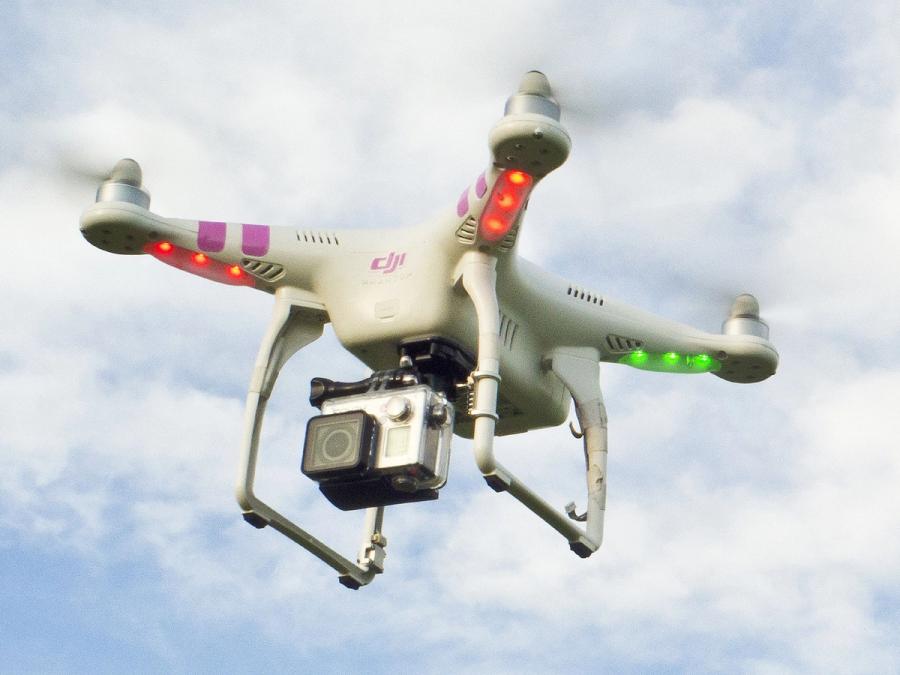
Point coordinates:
pixel 81 170
pixel 85 174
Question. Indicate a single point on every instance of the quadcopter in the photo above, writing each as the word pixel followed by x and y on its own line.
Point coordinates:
pixel 463 336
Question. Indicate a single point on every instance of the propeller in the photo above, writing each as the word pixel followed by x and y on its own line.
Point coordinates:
pixel 123 182
pixel 580 105
pixel 79 170
pixel 741 308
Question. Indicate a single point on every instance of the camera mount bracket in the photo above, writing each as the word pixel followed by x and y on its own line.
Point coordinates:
pixel 297 320
pixel 441 363
pixel 579 370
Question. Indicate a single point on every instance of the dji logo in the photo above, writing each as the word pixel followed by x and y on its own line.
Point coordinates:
pixel 389 263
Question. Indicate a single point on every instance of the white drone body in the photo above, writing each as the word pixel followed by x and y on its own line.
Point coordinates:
pixel 536 339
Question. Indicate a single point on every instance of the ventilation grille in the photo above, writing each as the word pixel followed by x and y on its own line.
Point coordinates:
pixel 510 239
pixel 310 237
pixel 619 344
pixel 263 270
pixel 466 232
pixel 508 329
pixel 587 296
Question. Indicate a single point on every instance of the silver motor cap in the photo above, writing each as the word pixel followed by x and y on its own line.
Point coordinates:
pixel 534 96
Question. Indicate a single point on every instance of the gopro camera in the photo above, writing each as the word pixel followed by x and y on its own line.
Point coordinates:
pixel 389 445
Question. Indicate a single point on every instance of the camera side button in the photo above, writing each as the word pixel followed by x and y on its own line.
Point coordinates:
pixel 398 408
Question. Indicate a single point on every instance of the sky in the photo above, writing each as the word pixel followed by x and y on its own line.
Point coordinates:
pixel 717 148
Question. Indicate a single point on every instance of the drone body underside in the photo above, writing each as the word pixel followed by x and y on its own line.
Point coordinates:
pixel 538 337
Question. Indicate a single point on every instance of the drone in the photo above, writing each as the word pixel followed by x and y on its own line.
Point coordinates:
pixel 463 337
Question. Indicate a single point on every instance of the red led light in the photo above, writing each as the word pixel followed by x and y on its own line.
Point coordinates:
pixel 508 197
pixel 199 263
pixel 505 200
pixel 494 225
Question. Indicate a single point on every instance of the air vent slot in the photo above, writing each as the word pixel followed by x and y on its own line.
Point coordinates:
pixel 510 239
pixel 466 232
pixel 622 345
pixel 508 330
pixel 261 269
pixel 311 237
pixel 587 296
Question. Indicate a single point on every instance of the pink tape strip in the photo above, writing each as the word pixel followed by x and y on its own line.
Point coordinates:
pixel 255 239
pixel 211 236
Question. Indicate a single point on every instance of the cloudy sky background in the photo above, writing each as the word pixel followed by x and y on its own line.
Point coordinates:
pixel 716 149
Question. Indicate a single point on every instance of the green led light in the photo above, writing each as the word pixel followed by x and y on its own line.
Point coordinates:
pixel 638 358
pixel 671 362
pixel 701 362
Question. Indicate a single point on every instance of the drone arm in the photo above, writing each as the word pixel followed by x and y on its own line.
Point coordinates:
pixel 479 278
pixel 237 254
pixel 576 316
pixel 296 322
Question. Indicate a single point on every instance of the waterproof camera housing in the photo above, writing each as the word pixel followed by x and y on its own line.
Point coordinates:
pixel 381 447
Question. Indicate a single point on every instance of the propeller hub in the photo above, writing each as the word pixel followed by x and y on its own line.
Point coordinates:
pixel 126 171
pixel 745 306
pixel 124 185
pixel 744 318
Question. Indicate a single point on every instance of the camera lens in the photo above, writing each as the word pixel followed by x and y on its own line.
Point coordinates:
pixel 336 444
